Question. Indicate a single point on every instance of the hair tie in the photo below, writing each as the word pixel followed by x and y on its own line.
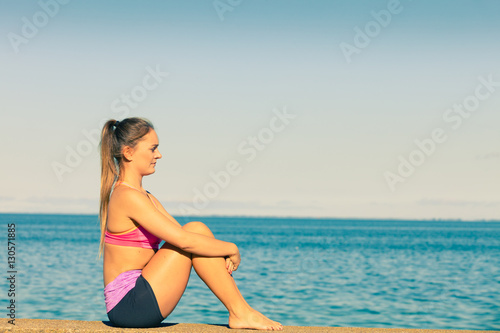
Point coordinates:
pixel 116 124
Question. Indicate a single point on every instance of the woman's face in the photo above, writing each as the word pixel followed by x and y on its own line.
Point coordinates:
pixel 145 154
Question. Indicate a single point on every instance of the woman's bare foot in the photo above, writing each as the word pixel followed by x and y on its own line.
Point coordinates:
pixel 254 320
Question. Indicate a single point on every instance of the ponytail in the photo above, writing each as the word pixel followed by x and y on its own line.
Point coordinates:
pixel 114 136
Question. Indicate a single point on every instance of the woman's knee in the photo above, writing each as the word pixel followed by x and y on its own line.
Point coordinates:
pixel 198 228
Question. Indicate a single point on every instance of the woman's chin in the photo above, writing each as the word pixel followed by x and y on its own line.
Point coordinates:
pixel 150 172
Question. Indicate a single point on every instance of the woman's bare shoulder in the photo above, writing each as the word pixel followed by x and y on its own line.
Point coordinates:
pixel 125 194
pixel 129 202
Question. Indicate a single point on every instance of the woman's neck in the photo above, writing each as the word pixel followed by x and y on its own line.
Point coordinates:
pixel 135 181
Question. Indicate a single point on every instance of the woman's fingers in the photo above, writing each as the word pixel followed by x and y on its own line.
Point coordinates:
pixel 229 266
pixel 235 259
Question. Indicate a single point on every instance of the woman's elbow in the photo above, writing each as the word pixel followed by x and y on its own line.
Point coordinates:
pixel 184 243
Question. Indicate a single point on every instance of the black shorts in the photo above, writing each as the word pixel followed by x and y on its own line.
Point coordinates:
pixel 138 309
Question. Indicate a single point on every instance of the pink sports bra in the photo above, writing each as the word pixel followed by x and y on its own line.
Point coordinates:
pixel 136 237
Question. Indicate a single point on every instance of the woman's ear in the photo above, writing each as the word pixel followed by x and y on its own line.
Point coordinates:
pixel 127 153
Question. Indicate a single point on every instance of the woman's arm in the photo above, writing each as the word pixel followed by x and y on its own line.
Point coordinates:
pixel 139 208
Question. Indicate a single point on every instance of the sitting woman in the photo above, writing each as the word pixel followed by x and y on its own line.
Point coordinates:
pixel 144 283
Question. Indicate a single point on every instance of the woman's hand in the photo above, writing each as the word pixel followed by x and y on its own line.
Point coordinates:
pixel 233 261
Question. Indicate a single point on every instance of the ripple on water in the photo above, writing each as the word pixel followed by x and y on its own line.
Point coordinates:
pixel 303 272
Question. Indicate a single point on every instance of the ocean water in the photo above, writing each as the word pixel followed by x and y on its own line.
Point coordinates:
pixel 306 272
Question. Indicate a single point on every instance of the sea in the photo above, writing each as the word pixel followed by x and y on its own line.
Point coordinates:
pixel 299 271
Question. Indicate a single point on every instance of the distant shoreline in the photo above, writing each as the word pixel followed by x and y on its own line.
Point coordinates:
pixel 339 219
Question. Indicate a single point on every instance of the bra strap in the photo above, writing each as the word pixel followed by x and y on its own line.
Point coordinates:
pixel 126 184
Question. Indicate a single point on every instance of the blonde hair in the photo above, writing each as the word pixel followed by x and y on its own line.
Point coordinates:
pixel 114 136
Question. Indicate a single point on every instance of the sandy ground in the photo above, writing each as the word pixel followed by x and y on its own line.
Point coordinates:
pixel 42 325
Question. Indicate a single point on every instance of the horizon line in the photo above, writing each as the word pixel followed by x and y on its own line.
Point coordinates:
pixel 280 217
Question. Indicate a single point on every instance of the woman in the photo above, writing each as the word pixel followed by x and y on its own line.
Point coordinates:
pixel 143 284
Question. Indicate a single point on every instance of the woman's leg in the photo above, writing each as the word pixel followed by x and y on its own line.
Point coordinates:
pixel 212 271
pixel 168 274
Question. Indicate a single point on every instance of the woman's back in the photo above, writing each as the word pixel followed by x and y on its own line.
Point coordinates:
pixel 120 258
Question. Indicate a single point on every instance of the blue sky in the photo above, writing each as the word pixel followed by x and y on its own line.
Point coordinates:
pixel 220 78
